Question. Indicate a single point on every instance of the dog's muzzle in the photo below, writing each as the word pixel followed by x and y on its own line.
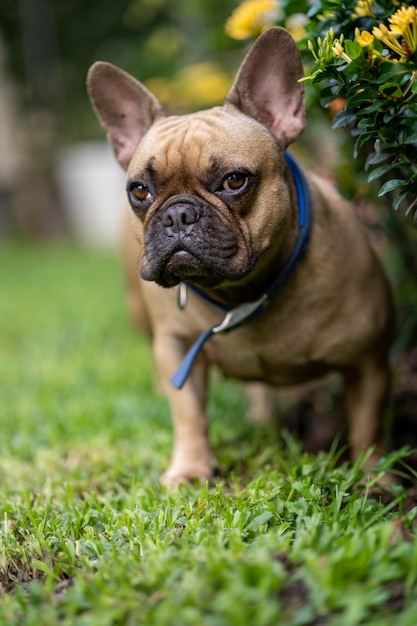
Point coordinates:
pixel 188 239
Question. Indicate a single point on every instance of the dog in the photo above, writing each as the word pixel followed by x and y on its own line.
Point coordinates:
pixel 246 262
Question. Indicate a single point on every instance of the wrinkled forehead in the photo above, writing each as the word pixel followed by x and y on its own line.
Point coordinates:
pixel 212 139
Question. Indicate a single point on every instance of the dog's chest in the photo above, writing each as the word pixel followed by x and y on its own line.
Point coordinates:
pixel 257 353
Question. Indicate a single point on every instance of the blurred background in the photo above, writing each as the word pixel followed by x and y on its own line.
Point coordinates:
pixel 53 156
pixel 57 175
pixel 58 178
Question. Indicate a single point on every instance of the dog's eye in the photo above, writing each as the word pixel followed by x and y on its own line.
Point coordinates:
pixel 234 181
pixel 139 192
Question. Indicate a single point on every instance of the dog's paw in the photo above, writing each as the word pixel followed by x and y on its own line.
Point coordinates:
pixel 177 474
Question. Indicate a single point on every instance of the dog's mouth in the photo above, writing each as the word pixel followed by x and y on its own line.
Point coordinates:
pixel 185 264
pixel 188 240
pixel 182 265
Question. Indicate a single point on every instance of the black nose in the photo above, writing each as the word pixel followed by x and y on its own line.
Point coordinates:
pixel 179 217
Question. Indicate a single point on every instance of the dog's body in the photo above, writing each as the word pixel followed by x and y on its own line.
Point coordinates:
pixel 214 204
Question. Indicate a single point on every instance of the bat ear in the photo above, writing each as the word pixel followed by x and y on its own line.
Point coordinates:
pixel 266 86
pixel 124 107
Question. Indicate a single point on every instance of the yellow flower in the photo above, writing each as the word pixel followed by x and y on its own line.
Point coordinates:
pixel 388 38
pixel 364 38
pixel 404 23
pixel 364 8
pixel 404 16
pixel 401 37
pixel 205 84
pixel 340 52
pixel 194 86
pixel 295 24
pixel 252 17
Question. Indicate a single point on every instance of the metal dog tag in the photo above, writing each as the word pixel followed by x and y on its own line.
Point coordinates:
pixel 236 316
pixel 182 295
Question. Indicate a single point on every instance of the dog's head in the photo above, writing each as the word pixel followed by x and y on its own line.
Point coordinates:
pixel 209 188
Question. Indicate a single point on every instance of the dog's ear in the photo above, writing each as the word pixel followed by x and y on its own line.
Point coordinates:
pixel 124 107
pixel 266 86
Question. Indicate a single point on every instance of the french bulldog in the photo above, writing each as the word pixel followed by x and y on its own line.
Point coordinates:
pixel 277 281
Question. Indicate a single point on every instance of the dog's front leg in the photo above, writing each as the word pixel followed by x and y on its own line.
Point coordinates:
pixel 261 406
pixel 367 402
pixel 192 457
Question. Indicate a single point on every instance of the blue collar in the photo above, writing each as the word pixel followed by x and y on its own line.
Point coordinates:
pixel 247 311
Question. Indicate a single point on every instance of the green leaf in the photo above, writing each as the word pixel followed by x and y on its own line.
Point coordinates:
pixel 398 199
pixel 390 71
pixel 364 137
pixel 379 171
pixel 391 185
pixel 352 48
pixel 41 566
pixel 360 97
pixel 411 207
pixel 260 520
pixel 376 157
pixel 392 88
pixel 365 124
pixel 375 106
pixel 344 118
pixel 410 139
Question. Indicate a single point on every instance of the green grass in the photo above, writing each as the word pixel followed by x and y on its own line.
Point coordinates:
pixel 90 538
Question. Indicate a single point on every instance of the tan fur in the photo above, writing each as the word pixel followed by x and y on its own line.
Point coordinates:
pixel 335 312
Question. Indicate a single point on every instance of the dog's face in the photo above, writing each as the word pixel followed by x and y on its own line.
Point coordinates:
pixel 202 186
pixel 208 188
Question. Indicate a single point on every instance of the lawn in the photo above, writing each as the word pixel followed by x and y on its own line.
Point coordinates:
pixel 88 535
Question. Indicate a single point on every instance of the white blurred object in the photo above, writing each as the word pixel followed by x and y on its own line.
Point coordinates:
pixel 92 185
